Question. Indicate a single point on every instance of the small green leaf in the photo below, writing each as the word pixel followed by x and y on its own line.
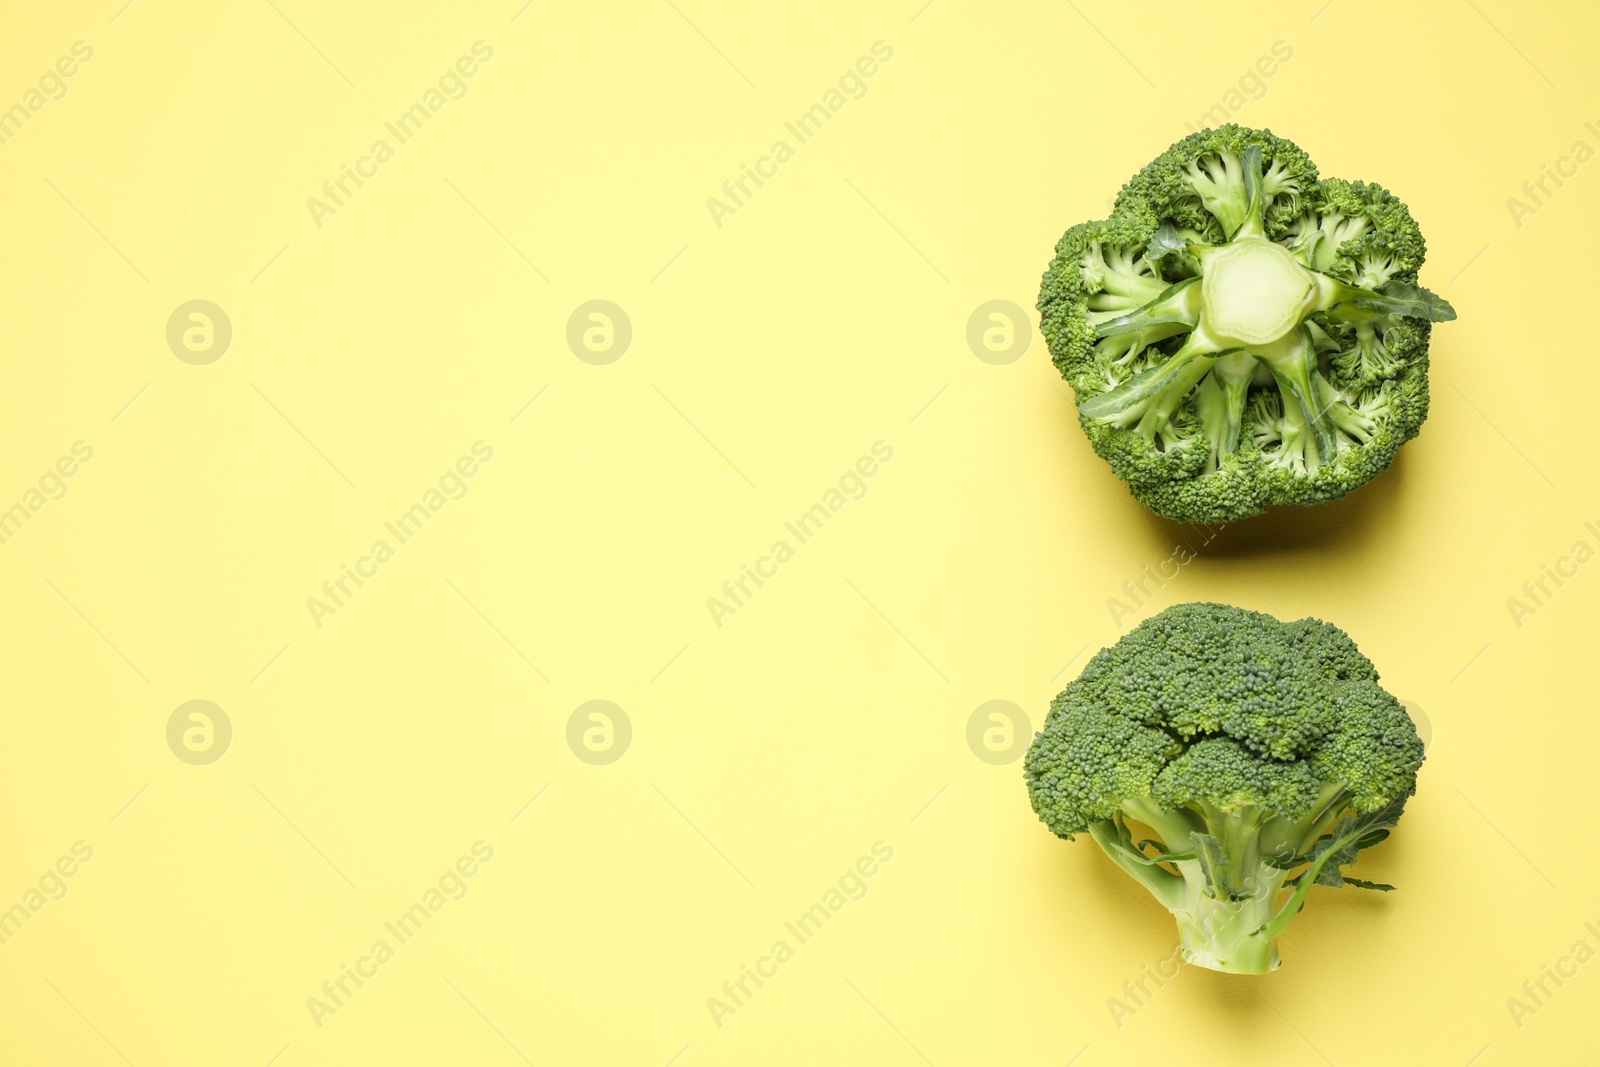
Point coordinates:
pixel 1403 298
pixel 1372 838
pixel 1362 883
pixel 1338 848
pixel 1166 241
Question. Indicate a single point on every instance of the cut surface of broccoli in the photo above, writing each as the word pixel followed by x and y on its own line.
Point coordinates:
pixel 1229 272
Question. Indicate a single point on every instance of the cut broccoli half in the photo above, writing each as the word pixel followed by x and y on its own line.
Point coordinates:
pixel 1227 274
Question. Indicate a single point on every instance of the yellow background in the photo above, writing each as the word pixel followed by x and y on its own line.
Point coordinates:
pixel 768 354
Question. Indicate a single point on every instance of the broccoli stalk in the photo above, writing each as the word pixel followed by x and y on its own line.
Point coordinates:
pixel 1159 389
pixel 1125 351
pixel 1263 756
pixel 1293 362
pixel 1226 934
pixel 1227 892
pixel 1295 453
pixel 1176 305
pixel 1221 399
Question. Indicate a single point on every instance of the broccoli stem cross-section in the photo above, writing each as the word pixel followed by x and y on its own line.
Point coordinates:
pixel 1255 291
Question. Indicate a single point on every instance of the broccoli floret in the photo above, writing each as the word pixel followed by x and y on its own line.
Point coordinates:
pixel 1117 278
pixel 1228 271
pixel 1317 238
pixel 1366 358
pixel 1263 756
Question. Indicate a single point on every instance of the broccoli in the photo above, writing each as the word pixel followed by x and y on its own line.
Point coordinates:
pixel 1241 334
pixel 1262 755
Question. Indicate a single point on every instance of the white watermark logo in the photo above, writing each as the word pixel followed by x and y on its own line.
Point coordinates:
pixel 1538 992
pixel 738 591
pixel 1537 592
pixel 737 992
pixel 1538 192
pixel 338 191
pixel 1140 592
pixel 1252 85
pixel 337 992
pixel 338 591
pixel 738 191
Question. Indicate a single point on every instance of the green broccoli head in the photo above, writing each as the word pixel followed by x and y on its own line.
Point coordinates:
pixel 1241 333
pixel 1263 754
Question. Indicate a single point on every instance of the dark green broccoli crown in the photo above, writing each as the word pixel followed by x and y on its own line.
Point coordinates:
pixel 1208 425
pixel 1211 705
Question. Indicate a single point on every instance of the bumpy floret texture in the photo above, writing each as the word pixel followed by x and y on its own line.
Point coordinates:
pixel 1213 707
pixel 1315 412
